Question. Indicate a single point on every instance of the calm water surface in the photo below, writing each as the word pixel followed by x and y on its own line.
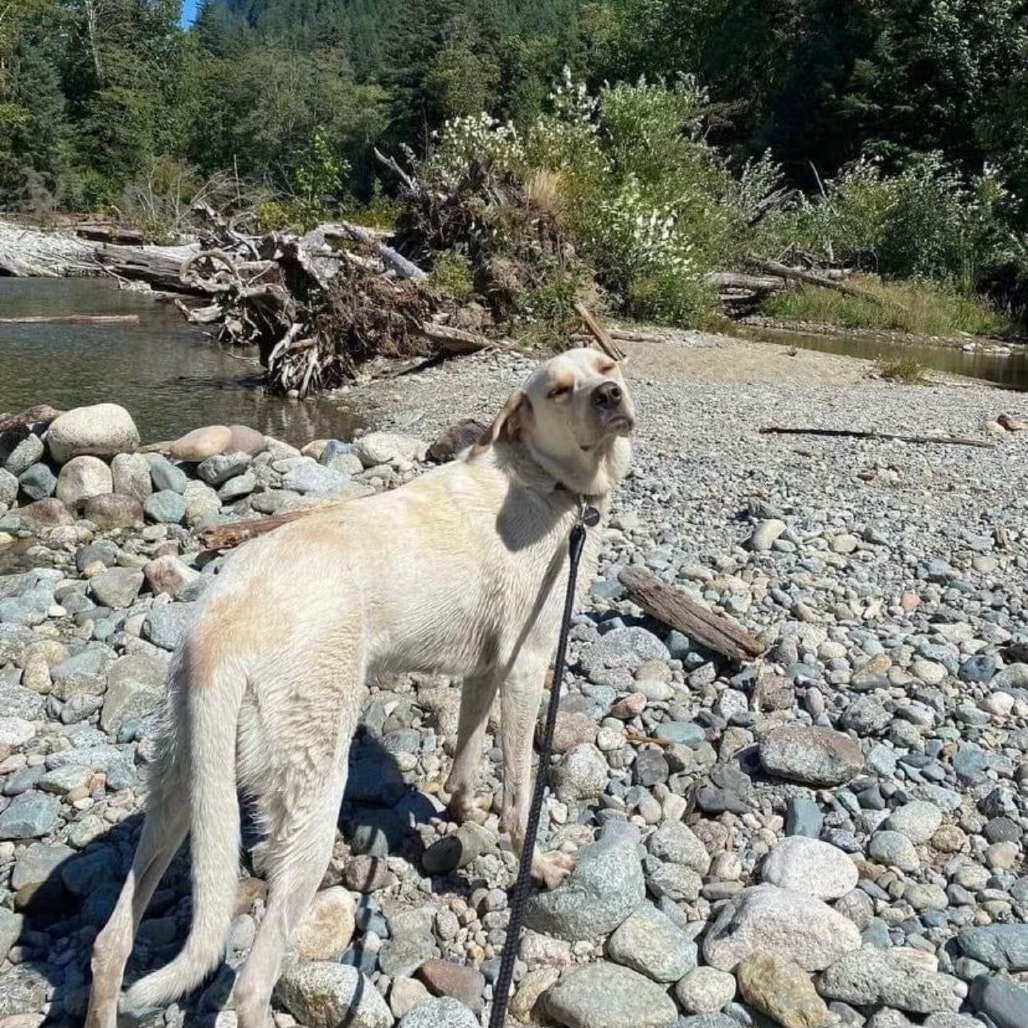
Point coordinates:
pixel 1011 372
pixel 163 370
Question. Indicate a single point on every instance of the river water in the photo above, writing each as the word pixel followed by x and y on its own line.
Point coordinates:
pixel 161 369
pixel 1008 371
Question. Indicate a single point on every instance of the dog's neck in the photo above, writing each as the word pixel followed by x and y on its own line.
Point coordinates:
pixel 588 477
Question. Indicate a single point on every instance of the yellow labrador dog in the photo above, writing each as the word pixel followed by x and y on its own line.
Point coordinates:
pixel 461 572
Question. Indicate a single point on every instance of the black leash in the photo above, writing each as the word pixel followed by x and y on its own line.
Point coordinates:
pixel 589 516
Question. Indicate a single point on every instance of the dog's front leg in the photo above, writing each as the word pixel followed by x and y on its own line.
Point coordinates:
pixel 520 696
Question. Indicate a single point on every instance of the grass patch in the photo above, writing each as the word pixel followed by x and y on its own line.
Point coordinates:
pixel 906 371
pixel 919 308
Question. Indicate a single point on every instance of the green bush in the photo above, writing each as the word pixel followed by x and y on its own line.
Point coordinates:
pixel 452 274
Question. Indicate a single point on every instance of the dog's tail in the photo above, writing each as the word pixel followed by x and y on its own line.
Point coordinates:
pixel 211 708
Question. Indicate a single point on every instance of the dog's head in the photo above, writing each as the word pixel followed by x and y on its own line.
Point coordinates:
pixel 574 414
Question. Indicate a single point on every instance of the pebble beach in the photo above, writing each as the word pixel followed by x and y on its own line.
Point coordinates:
pixel 833 834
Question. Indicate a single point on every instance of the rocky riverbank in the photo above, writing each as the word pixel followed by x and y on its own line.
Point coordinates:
pixel 831 836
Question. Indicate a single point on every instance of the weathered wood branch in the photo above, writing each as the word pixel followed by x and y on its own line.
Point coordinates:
pixel 599 333
pixel 389 257
pixel 673 608
pixel 224 537
pixel 901 437
pixel 76 319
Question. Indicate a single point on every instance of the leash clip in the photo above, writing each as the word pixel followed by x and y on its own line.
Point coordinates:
pixel 588 515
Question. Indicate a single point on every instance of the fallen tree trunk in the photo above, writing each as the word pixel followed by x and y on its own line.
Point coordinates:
pixel 822 281
pixel 673 608
pixel 160 267
pixel 856 433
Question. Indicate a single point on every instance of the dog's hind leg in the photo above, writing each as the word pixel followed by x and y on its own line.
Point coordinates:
pixel 476 701
pixel 295 864
pixel 164 828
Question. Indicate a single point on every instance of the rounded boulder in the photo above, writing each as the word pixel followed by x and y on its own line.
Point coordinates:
pixel 101 430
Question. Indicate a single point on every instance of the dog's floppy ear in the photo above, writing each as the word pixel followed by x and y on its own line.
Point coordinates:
pixel 509 424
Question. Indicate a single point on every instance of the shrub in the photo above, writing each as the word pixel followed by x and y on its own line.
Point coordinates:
pixel 452 274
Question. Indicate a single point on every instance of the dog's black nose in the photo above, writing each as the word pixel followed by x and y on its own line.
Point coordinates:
pixel 607 395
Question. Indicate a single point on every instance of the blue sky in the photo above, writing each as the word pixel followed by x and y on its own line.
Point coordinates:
pixel 189 11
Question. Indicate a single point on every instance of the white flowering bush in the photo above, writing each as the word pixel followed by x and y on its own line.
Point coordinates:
pixel 625 176
pixel 477 138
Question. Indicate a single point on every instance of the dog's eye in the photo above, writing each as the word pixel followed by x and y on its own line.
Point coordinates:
pixel 558 391
pixel 608 368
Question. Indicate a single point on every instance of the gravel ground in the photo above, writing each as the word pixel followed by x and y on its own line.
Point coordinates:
pixel 831 836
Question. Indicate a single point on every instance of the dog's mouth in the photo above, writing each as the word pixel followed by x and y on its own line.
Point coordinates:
pixel 621 423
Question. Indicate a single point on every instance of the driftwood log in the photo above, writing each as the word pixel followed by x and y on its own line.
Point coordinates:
pixel 900 437
pixel 673 608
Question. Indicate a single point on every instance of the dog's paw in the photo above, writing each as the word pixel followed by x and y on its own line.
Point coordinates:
pixel 552 868
pixel 466 806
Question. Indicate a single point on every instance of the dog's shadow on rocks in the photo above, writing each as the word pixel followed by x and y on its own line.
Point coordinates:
pixel 65 904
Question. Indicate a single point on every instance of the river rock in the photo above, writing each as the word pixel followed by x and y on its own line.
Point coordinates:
pixel 116 587
pixel 217 470
pixel 165 507
pixel 782 990
pixel 677 844
pixel 166 476
pixel 455 439
pixel 605 886
pixel 101 430
pixel 444 1012
pixel 37 482
pixel 811 755
pixel 23 990
pixel 131 475
pixel 327 927
pixel 8 488
pixel 30 816
pixel 164 626
pixel 135 688
pixel 1003 947
pixel 581 774
pixel 15 732
pixel 113 511
pixel 705 990
pixel 766 534
pixel 81 478
pixel 10 931
pixel 169 574
pixel 202 443
pixel 893 849
pixel 29 451
pixel 1005 1002
pixel 872 977
pixel 377 448
pixel 918 820
pixel 811 867
pixel 605 995
pixel 326 995
pixel 649 942
pixel 245 439
pixel 765 917
pixel 445 978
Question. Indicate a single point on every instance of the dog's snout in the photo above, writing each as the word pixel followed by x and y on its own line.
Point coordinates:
pixel 608 394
